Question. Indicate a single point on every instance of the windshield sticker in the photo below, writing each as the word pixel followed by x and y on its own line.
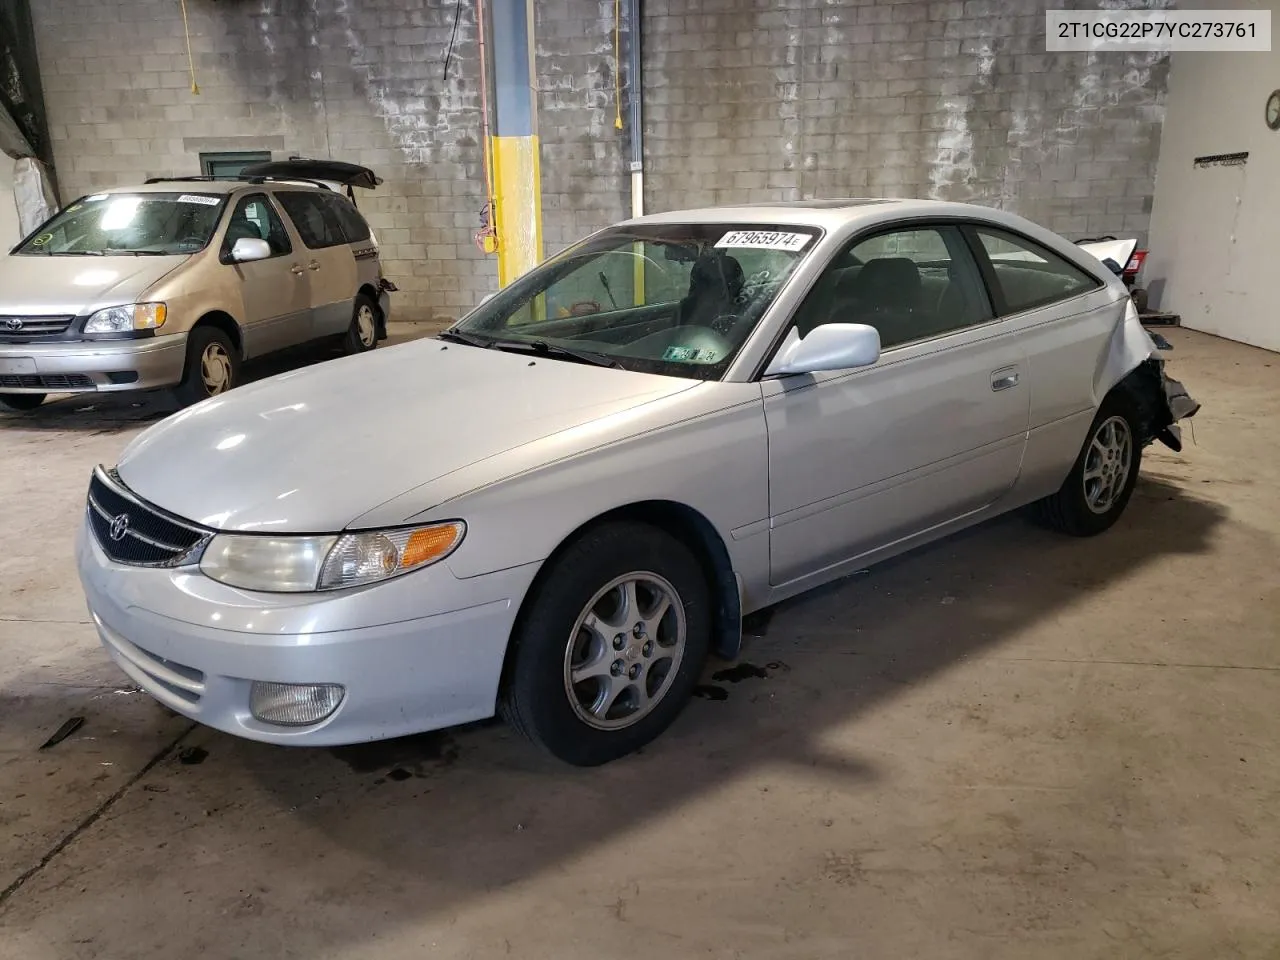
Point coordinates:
pixel 197 198
pixel 763 240
pixel 41 240
pixel 689 355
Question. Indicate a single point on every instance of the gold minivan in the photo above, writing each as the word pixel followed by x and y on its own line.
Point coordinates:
pixel 176 282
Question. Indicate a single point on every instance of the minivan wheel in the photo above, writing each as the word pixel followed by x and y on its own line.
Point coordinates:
pixel 212 366
pixel 21 402
pixel 1101 481
pixel 610 646
pixel 362 335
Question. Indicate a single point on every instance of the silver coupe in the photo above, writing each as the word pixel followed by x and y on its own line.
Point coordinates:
pixel 562 505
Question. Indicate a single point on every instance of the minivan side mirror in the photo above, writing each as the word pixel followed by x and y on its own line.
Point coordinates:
pixel 831 346
pixel 248 249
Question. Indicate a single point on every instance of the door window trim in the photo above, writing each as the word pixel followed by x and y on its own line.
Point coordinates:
pixel 869 233
pixel 224 255
pixel 342 233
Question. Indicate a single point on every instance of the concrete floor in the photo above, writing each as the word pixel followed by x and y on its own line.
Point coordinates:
pixel 1006 745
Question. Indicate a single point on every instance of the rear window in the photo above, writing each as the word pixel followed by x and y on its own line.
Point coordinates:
pixel 1029 275
pixel 353 225
pixel 317 222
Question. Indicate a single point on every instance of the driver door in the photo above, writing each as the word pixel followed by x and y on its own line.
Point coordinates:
pixel 275 293
pixel 933 431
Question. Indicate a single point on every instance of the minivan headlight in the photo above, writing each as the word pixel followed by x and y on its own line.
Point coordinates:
pixel 127 318
pixel 282 564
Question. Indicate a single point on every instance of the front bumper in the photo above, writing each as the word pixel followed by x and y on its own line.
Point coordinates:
pixel 92 366
pixel 416 653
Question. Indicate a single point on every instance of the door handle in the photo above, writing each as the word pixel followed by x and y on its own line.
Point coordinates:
pixel 296 270
pixel 1004 379
pixel 313 265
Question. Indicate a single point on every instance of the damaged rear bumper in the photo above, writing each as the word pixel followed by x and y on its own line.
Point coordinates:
pixel 1161 402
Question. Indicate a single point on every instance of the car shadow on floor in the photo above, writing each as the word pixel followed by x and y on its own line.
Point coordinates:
pixel 416 827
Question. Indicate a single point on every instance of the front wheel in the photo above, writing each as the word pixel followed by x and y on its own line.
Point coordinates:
pixel 362 335
pixel 609 649
pixel 212 367
pixel 1101 481
pixel 21 402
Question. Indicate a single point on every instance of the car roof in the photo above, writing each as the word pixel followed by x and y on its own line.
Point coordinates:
pixel 830 213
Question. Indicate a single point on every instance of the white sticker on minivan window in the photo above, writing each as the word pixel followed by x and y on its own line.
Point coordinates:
pixel 763 240
pixel 197 198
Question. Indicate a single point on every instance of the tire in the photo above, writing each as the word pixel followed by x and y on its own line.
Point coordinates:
pixel 362 335
pixel 633 682
pixel 209 350
pixel 1140 300
pixel 21 402
pixel 1086 507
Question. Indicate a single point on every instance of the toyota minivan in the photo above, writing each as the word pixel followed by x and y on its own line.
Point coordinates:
pixel 176 282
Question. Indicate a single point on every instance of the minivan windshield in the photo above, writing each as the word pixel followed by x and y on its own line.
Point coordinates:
pixel 138 224
pixel 672 299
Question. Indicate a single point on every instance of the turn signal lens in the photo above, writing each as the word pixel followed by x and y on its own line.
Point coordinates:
pixel 149 316
pixel 360 558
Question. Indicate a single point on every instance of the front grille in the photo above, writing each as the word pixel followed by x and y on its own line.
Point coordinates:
pixel 24 328
pixel 136 533
pixel 30 381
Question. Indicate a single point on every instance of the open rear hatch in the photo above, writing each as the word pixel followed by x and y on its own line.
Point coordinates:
pixel 329 173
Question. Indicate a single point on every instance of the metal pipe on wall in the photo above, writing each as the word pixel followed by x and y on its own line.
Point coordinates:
pixel 634 97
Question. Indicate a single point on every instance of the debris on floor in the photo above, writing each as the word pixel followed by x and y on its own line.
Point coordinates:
pixel 191 756
pixel 67 729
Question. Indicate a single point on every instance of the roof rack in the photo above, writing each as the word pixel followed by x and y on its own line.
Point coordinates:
pixel 236 178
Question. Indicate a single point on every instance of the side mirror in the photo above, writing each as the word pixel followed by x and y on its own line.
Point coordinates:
pixel 248 249
pixel 831 346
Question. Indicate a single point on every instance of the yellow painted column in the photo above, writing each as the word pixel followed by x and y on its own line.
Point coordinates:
pixel 513 147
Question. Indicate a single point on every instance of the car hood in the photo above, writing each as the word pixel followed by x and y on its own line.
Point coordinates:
pixel 310 451
pixel 39 285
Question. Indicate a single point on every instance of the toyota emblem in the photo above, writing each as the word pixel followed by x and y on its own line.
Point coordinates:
pixel 119 526
pixel 14 323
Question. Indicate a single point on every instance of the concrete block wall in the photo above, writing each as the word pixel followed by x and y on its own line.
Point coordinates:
pixel 950 99
pixel 359 80
pixel 745 100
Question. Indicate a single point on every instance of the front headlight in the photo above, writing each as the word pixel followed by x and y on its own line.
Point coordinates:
pixel 306 564
pixel 125 319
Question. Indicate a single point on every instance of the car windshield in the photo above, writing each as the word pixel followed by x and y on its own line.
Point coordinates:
pixel 138 224
pixel 673 299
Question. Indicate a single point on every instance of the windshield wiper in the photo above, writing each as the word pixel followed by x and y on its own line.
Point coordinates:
pixel 136 253
pixel 75 253
pixel 468 339
pixel 543 348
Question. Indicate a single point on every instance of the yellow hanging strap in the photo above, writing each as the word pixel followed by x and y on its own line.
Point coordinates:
pixel 617 62
pixel 191 61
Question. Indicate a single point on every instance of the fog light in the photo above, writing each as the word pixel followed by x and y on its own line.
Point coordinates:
pixel 294 704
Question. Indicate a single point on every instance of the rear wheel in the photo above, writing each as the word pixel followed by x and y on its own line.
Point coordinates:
pixel 609 649
pixel 1101 481
pixel 362 335
pixel 21 402
pixel 212 366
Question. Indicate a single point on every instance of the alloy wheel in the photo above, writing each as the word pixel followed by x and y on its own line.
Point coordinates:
pixel 625 650
pixel 1107 464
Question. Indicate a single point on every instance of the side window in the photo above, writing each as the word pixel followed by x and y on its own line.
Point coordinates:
pixel 1029 275
pixel 316 221
pixel 254 217
pixel 344 211
pixel 909 284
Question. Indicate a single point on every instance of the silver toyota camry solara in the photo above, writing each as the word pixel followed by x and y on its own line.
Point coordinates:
pixel 558 508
